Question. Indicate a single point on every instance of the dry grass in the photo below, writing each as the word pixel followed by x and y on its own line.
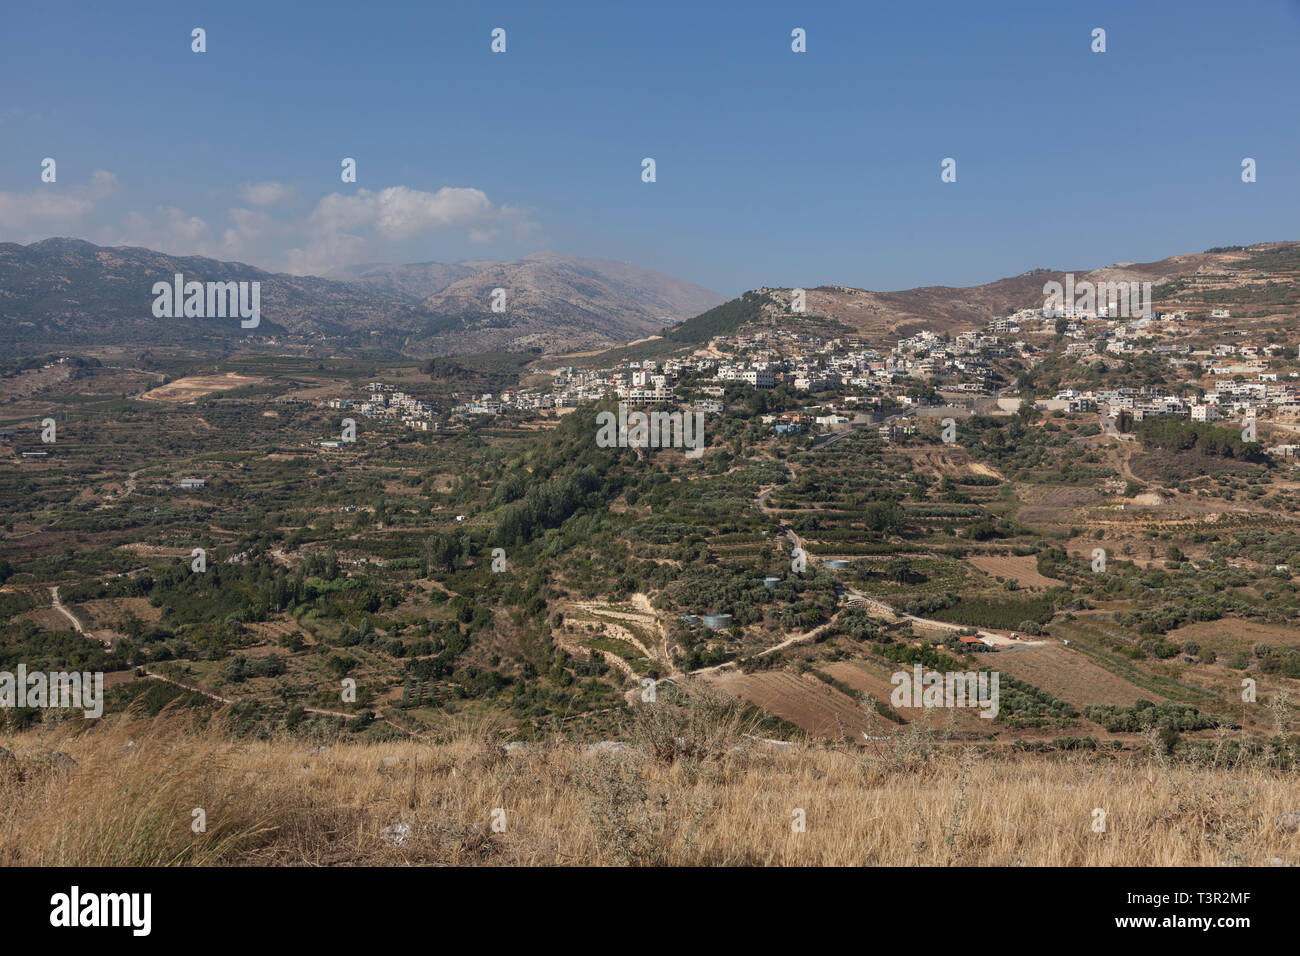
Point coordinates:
pixel 1023 570
pixel 687 791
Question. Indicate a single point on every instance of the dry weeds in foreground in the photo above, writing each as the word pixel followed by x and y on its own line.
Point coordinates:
pixel 128 801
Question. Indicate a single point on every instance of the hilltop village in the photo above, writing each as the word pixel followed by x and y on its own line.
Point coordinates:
pixel 1203 368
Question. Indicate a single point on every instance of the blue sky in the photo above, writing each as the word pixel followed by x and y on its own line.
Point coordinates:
pixel 773 168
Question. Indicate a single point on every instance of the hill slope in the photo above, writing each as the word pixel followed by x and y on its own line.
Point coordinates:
pixel 1264 276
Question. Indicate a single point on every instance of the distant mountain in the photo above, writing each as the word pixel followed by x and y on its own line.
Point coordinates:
pixel 61 293
pixel 65 293
pixel 416 281
pixel 552 300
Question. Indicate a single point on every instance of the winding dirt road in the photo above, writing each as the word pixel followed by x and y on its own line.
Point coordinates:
pixel 58 606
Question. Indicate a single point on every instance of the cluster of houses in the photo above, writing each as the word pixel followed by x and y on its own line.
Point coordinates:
pixel 760 360
pixel 811 364
pixel 385 401
pixel 1230 400
pixel 867 378
pixel 1225 379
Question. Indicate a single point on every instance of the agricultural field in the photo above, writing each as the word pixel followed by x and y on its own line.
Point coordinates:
pixel 507 566
pixel 818 709
pixel 194 387
pixel 873 680
pixel 1230 637
pixel 1072 676
pixel 1021 569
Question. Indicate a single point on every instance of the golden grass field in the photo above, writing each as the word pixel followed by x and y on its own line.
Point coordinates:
pixel 197 386
pixel 688 790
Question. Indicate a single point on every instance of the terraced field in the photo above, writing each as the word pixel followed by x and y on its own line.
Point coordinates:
pixel 807 702
pixel 193 387
pixel 1070 675
pixel 1052 507
pixel 869 679
pixel 621 649
pixel 106 611
pixel 1084 633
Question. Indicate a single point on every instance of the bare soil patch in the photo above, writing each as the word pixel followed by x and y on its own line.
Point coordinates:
pixel 807 702
pixel 869 679
pixel 1022 569
pixel 197 386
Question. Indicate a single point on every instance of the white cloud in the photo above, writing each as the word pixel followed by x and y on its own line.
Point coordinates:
pixel 342 227
pixel 250 223
pixel 249 231
pixel 103 184
pixel 24 210
pixel 267 194
pixel 400 212
pixel 325 252
pixel 51 206
pixel 166 229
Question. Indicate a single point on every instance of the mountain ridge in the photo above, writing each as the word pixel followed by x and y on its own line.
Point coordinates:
pixel 62 292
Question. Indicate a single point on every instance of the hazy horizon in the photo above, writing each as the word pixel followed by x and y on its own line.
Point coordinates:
pixel 773 167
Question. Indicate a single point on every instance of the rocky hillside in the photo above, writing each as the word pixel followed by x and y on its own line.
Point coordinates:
pixel 1263 279
pixel 554 300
